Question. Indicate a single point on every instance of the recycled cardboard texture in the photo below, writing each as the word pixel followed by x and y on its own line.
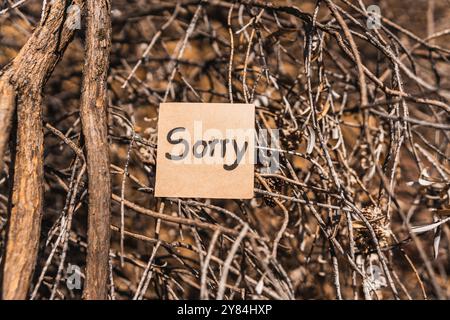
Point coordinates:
pixel 175 178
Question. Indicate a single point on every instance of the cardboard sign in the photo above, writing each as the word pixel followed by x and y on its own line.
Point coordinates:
pixel 205 150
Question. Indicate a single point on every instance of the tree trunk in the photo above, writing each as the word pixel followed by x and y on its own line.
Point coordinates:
pixel 26 76
pixel 94 105
pixel 7 105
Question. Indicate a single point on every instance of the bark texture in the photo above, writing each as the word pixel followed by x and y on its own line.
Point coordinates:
pixel 94 122
pixel 25 77
pixel 7 105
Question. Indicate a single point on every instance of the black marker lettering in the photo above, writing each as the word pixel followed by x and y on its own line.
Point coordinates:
pixel 204 145
pixel 200 148
pixel 239 155
pixel 177 141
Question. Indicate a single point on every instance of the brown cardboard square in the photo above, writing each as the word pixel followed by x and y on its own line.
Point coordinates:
pixel 205 150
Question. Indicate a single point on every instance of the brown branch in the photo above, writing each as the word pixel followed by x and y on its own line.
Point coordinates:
pixel 7 105
pixel 27 75
pixel 94 122
pixel 180 220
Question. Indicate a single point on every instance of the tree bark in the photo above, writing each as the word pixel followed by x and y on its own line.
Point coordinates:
pixel 7 106
pixel 94 122
pixel 26 77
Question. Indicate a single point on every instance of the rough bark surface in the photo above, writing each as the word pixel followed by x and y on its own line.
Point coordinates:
pixel 26 76
pixel 94 123
pixel 7 105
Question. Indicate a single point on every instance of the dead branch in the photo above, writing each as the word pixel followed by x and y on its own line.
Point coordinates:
pixel 27 74
pixel 7 106
pixel 94 102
